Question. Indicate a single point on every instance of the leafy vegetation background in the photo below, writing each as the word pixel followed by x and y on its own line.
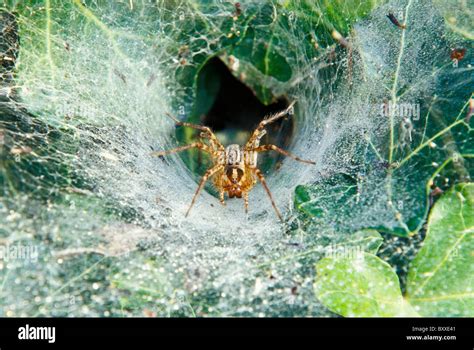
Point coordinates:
pixel 85 88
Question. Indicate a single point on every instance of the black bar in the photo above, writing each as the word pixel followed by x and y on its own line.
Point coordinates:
pixel 361 332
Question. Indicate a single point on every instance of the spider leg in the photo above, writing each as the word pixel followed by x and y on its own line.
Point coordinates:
pixel 281 151
pixel 194 126
pixel 246 201
pixel 268 120
pixel 206 176
pixel 264 184
pixel 221 197
pixel 278 115
pixel 206 131
pixel 199 145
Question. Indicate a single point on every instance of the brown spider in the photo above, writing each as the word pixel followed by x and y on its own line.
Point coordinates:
pixel 234 167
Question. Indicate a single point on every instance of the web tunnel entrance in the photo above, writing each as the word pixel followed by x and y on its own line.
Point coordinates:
pixel 232 111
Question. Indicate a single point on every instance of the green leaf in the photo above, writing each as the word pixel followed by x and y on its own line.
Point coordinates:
pixel 360 285
pixel 440 280
pixel 441 277
pixel 262 56
pixel 365 240
pixel 266 54
pixel 328 201
pixel 257 49
pixel 329 15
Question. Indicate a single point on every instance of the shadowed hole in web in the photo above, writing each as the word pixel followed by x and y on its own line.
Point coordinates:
pixel 232 111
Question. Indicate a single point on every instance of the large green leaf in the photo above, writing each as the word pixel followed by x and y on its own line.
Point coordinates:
pixel 441 278
pixel 360 285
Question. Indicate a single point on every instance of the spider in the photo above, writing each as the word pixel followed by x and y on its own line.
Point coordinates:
pixel 234 167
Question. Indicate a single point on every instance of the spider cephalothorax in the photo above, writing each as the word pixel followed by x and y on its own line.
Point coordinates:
pixel 234 168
